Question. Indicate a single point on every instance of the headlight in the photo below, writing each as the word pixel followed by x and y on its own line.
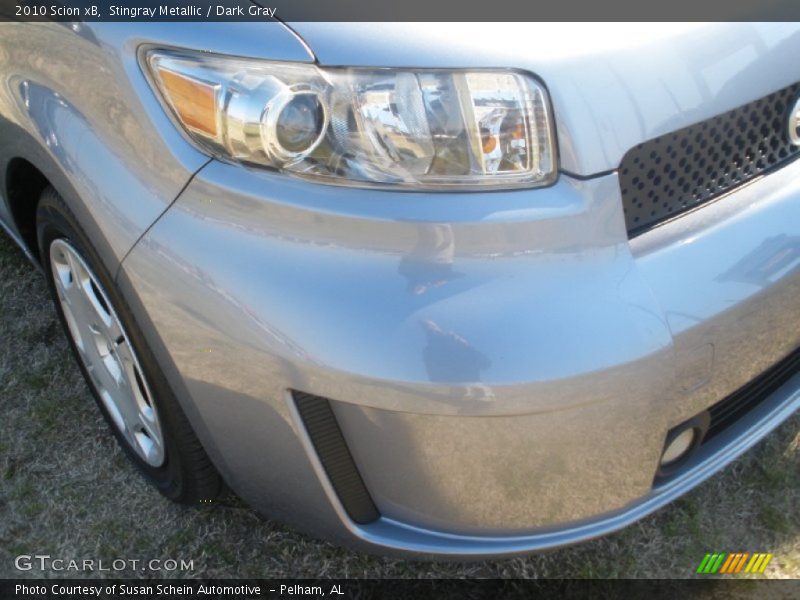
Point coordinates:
pixel 421 129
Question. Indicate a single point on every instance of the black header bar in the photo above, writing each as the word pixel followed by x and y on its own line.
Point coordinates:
pixel 400 10
pixel 391 589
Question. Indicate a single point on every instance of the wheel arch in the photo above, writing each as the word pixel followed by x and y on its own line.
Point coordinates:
pixel 27 167
pixel 24 184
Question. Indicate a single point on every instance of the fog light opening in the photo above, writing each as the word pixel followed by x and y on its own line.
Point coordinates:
pixel 678 447
pixel 681 443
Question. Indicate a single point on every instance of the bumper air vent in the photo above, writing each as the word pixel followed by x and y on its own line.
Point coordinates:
pixel 331 447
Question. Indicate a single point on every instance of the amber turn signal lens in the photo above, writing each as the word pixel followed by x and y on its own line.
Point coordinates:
pixel 195 102
pixel 489 143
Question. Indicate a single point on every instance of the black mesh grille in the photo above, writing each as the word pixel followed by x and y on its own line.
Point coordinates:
pixel 678 171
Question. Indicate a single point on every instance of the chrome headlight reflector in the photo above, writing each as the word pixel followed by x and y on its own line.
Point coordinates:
pixel 418 129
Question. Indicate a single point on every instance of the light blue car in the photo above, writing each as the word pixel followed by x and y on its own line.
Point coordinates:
pixel 431 289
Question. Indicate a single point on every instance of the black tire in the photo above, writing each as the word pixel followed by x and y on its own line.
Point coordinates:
pixel 187 474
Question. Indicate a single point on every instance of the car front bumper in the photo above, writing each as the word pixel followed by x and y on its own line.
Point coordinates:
pixel 504 366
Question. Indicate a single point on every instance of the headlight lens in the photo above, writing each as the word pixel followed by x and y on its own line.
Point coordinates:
pixel 422 129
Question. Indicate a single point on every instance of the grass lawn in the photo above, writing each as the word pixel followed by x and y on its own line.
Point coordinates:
pixel 66 490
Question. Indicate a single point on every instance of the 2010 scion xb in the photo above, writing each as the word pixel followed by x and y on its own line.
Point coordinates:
pixel 467 290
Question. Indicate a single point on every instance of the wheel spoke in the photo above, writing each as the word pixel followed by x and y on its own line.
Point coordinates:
pixel 72 324
pixel 75 267
pixel 152 430
pixel 127 363
pixel 97 311
pixel 115 334
pixel 62 275
pixel 114 411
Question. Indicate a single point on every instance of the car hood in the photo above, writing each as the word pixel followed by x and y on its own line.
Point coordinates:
pixel 612 85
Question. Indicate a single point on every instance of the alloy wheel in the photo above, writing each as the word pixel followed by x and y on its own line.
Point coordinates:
pixel 106 352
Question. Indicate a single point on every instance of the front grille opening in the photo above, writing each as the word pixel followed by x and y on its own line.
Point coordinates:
pixel 731 409
pixel 331 448
pixel 676 172
pixel 742 401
